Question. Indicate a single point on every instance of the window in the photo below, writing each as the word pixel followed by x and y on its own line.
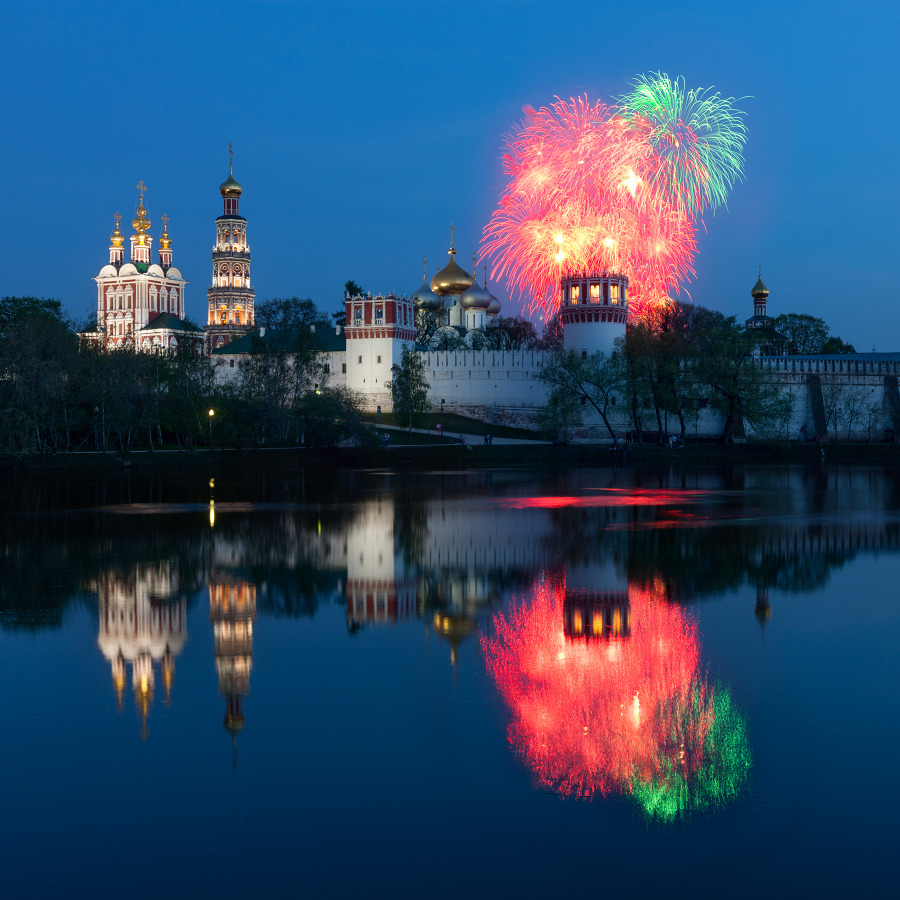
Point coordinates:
pixel 584 354
pixel 379 313
pixel 343 368
pixel 614 294
pixel 378 358
pixel 327 369
pixel 359 360
pixel 595 293
pixel 612 400
pixel 357 314
pixel 574 294
pixel 232 363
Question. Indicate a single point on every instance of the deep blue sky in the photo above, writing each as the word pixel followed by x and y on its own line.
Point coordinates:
pixel 360 128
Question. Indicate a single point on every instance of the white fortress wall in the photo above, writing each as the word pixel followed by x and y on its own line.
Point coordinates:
pixel 486 378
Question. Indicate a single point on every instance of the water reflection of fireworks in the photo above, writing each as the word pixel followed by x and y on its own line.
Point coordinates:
pixel 599 708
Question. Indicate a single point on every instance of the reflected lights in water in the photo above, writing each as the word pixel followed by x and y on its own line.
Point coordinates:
pixel 607 697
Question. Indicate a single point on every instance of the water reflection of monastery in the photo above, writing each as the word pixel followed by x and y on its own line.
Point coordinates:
pixel 449 556
pixel 142 628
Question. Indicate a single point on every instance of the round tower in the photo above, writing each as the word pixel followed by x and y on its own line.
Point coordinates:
pixel 593 310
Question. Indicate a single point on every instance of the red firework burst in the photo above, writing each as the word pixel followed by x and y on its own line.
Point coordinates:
pixel 588 191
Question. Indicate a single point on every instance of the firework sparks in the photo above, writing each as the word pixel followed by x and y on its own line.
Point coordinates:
pixel 596 188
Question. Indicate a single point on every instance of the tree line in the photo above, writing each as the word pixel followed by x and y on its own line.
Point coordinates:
pixel 668 369
pixel 61 393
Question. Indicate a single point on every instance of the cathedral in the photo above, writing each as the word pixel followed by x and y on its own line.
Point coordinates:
pixel 140 303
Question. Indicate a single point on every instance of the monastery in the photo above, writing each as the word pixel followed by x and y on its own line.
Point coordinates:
pixel 141 304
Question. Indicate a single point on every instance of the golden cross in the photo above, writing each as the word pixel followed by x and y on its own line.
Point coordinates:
pixel 117 216
pixel 452 232
pixel 141 187
pixel 230 155
pixel 475 265
pixel 165 219
pixel 424 268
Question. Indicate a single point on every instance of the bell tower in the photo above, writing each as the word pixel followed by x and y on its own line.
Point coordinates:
pixel 230 295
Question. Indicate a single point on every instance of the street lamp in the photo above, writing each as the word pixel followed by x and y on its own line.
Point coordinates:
pixel 212 413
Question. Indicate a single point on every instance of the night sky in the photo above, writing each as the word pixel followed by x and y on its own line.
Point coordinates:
pixel 360 128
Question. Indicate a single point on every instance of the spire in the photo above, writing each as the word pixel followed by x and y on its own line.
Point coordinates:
pixel 165 244
pixel 140 222
pixel 230 189
pixel 116 241
pixel 140 240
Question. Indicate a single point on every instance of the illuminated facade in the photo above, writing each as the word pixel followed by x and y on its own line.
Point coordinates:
pixel 593 311
pixel 230 295
pixel 140 303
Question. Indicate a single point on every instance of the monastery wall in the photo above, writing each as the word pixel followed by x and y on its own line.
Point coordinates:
pixel 485 378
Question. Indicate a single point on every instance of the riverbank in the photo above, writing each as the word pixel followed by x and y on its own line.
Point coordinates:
pixel 459 456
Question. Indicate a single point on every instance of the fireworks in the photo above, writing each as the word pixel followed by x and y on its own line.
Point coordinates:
pixel 623 709
pixel 596 188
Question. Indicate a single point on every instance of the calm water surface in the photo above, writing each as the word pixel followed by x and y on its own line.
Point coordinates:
pixel 486 684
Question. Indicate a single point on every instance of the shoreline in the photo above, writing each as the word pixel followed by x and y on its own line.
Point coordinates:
pixel 476 455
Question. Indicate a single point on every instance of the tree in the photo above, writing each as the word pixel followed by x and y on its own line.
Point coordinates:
pixel 332 417
pixel 284 313
pixel 352 289
pixel 737 385
pixel 591 380
pixel 426 326
pixel 38 353
pixel 834 345
pixel 807 334
pixel 552 338
pixel 804 333
pixel 512 333
pixel 559 418
pixel 409 388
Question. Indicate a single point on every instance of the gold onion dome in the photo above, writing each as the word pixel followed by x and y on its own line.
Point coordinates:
pixel 230 187
pixel 475 297
pixel 165 242
pixel 451 279
pixel 759 289
pixel 140 223
pixel 117 238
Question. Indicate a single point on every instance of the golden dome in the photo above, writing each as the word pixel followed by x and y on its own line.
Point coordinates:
pixel 117 238
pixel 140 223
pixel 230 187
pixel 451 279
pixel 165 242
pixel 759 289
